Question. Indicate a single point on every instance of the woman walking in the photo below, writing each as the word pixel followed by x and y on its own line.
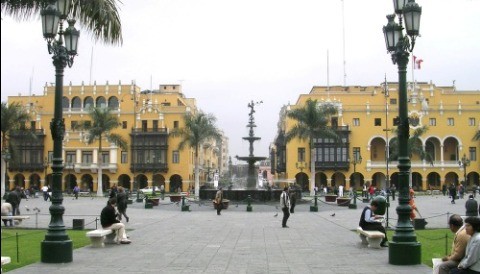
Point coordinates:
pixel 122 203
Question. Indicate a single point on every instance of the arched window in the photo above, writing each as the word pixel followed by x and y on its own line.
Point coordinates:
pixel 65 103
pixel 76 102
pixel 113 102
pixel 101 102
pixel 88 102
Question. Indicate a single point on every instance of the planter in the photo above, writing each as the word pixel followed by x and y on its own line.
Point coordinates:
pixel 154 201
pixel 330 198
pixel 343 201
pixel 225 204
pixel 175 198
pixel 419 223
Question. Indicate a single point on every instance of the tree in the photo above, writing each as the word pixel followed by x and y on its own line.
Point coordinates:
pixel 14 117
pixel 199 128
pixel 415 146
pixel 477 136
pixel 312 122
pixel 101 124
pixel 100 17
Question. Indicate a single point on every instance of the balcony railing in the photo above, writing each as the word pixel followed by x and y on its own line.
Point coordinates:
pixel 149 167
pixel 150 130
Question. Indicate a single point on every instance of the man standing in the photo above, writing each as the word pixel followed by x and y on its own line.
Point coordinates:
pixel 13 198
pixel 285 205
pixel 458 246
pixel 471 206
pixel 293 200
pixel 340 191
pixel 45 192
pixel 369 221
pixel 219 200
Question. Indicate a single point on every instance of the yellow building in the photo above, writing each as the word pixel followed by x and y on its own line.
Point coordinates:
pixel 365 122
pixel 146 119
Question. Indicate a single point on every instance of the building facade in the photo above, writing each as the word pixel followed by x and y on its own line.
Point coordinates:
pixel 365 123
pixel 146 118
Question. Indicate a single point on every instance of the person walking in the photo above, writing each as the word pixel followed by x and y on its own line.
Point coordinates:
pixel 293 200
pixel 219 200
pixel 108 220
pixel 459 245
pixel 113 191
pixel 122 203
pixel 453 192
pixel 471 206
pixel 285 205
pixel 76 190
pixel 13 198
pixel 370 221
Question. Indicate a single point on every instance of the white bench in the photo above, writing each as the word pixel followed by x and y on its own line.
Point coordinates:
pixel 18 218
pixel 97 237
pixel 5 260
pixel 372 238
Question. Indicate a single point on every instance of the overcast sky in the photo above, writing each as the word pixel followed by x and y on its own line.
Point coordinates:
pixel 226 53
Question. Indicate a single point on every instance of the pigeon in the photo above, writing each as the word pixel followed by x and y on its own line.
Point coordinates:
pixel 276 214
pixel 333 215
pixel 26 207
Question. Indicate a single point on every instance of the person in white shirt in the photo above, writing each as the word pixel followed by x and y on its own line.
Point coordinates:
pixel 340 191
pixel 285 205
pixel 45 192
pixel 369 221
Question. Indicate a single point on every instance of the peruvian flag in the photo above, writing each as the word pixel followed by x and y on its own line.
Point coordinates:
pixel 417 62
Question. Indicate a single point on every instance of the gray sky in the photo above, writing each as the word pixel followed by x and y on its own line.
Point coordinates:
pixel 226 53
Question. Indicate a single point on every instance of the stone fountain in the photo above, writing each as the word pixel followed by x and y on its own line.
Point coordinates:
pixel 251 159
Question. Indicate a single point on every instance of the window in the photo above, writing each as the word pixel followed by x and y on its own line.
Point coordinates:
pixel 88 124
pixel 105 157
pixel 73 125
pixel 175 157
pixel 124 124
pixel 69 157
pixel 472 151
pixel 432 122
pixel 124 158
pixel 33 125
pixel 175 124
pixel 356 154
pixel 471 121
pixel 393 101
pixel 450 122
pixel 301 154
pixel 144 125
pixel 378 122
pixel 155 125
pixel 87 157
pixel 356 122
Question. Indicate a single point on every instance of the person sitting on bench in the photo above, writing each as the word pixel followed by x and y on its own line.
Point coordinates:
pixel 7 210
pixel 108 219
pixel 369 221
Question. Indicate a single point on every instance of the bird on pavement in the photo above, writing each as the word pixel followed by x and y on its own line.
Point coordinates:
pixel 276 214
pixel 26 207
pixel 333 215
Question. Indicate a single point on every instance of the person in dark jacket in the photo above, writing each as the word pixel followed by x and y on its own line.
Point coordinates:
pixel 453 193
pixel 293 200
pixel 108 219
pixel 369 221
pixel 471 206
pixel 122 203
pixel 14 199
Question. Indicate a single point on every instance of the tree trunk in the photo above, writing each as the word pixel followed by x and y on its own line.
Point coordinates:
pixel 312 169
pixel 99 164
pixel 197 175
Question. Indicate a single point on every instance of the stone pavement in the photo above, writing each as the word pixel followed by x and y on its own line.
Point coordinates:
pixel 166 240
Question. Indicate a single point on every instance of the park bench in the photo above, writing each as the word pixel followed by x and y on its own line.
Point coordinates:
pixel 372 238
pixel 16 218
pixel 5 260
pixel 99 236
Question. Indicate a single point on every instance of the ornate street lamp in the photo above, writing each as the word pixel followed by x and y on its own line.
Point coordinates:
pixel 57 246
pixel 357 159
pixel 6 156
pixel 464 162
pixel 404 249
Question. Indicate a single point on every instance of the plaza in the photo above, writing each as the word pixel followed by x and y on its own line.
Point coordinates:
pixel 167 240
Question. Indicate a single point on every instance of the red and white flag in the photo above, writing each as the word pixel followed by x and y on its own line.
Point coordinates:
pixel 417 62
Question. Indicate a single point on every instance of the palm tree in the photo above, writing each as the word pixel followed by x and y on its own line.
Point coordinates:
pixel 477 136
pixel 101 125
pixel 198 129
pixel 14 117
pixel 414 146
pixel 99 17
pixel 312 122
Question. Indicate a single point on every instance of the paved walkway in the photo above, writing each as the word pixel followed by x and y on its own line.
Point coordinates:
pixel 166 240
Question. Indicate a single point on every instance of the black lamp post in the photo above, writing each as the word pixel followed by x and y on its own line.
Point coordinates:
pixel 357 159
pixel 6 156
pixel 404 249
pixel 57 246
pixel 464 162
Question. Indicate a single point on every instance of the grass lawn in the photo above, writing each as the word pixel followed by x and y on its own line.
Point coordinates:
pixel 434 243
pixel 29 241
